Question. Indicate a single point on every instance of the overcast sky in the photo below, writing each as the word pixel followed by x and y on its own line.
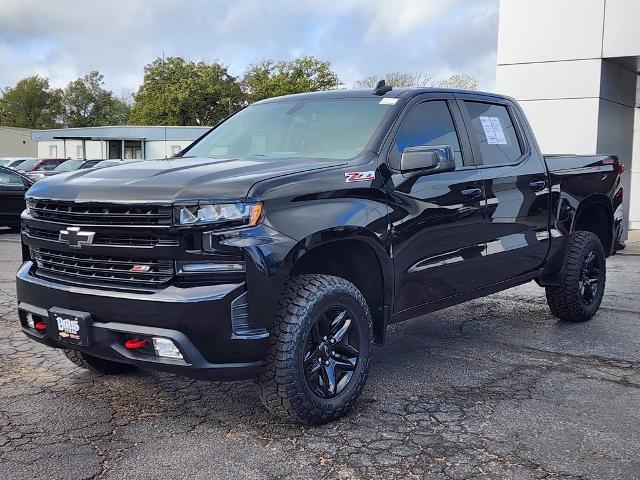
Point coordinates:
pixel 64 39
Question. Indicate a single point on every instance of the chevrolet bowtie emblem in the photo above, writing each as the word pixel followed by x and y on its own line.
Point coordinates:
pixel 76 237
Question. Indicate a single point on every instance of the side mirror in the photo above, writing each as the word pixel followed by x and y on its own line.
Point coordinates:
pixel 428 159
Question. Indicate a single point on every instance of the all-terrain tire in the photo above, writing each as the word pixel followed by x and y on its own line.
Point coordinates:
pixel 283 385
pixel 566 300
pixel 98 365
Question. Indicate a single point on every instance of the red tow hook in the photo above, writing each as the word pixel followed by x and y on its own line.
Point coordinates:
pixel 40 326
pixel 134 343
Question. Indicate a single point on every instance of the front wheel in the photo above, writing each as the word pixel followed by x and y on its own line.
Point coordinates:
pixel 96 364
pixel 579 295
pixel 320 349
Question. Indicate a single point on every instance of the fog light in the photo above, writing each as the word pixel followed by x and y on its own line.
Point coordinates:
pixel 165 348
pixel 209 267
pixel 30 321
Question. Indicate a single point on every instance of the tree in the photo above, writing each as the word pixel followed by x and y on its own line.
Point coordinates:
pixel 461 81
pixel 397 79
pixel 179 92
pixel 402 79
pixel 86 103
pixel 272 79
pixel 32 103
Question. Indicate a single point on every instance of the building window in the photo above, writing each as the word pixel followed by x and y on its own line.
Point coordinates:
pixel 175 149
pixel 79 152
pixel 53 151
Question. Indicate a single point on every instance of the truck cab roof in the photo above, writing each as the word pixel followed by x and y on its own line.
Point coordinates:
pixel 404 92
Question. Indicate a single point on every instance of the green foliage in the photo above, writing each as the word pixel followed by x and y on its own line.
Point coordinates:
pixel 179 92
pixel 86 103
pixel 272 79
pixel 30 104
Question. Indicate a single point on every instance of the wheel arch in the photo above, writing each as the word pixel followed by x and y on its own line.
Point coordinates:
pixel 595 214
pixel 356 255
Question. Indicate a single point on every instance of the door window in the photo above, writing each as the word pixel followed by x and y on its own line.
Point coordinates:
pixel 495 133
pixel 48 165
pixel 428 123
pixel 8 179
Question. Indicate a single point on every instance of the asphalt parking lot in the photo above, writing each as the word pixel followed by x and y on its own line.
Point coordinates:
pixel 494 388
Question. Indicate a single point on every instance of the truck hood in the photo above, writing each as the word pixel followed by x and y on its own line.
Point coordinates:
pixel 171 180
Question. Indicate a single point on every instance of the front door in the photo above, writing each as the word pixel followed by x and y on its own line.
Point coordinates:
pixel 12 190
pixel 437 219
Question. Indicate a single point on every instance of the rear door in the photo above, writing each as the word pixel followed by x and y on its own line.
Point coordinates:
pixel 436 218
pixel 12 189
pixel 515 184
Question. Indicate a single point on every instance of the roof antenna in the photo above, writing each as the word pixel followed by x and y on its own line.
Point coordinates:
pixel 382 88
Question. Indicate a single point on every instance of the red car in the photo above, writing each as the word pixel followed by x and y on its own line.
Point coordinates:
pixel 40 164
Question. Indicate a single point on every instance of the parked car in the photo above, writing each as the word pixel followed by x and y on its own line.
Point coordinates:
pixel 68 166
pixel 13 162
pixel 13 186
pixel 280 245
pixel 40 164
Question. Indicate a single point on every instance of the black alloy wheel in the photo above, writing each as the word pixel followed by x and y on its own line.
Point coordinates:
pixel 589 281
pixel 579 287
pixel 332 352
pixel 320 350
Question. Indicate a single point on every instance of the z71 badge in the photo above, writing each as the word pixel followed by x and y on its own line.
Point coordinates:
pixel 359 176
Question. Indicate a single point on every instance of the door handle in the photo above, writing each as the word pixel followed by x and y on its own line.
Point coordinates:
pixel 537 185
pixel 471 192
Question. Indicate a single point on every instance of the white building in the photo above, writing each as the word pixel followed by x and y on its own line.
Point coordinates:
pixel 573 65
pixel 16 142
pixel 115 142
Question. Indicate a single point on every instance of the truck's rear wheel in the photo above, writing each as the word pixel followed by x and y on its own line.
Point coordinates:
pixel 98 365
pixel 320 349
pixel 579 296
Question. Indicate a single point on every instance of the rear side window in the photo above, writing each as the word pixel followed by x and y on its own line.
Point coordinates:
pixel 8 179
pixel 428 123
pixel 495 133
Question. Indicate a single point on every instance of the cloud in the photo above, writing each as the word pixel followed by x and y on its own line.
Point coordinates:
pixel 66 38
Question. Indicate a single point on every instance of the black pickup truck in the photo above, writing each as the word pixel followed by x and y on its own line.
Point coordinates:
pixel 281 244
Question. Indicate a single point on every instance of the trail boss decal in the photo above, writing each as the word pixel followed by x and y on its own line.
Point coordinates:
pixel 359 176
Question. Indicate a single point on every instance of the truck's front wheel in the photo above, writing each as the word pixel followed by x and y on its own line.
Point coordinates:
pixel 96 364
pixel 320 349
pixel 579 295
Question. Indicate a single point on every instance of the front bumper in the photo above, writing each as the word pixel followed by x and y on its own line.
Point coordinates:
pixel 197 319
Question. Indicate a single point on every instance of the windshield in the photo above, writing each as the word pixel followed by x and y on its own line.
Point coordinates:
pixel 69 165
pixel 4 162
pixel 332 128
pixel 107 163
pixel 28 164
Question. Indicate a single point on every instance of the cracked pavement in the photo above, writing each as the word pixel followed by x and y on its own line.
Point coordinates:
pixel 494 388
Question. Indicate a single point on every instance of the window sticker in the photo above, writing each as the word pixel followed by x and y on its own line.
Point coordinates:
pixel 388 101
pixel 493 130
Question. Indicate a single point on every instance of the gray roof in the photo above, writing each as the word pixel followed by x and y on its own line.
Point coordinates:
pixel 126 132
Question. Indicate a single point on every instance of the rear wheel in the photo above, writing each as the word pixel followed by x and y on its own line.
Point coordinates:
pixel 98 365
pixel 579 296
pixel 320 350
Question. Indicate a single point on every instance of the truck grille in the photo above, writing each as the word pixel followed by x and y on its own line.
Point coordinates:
pixel 80 268
pixel 100 213
pixel 108 238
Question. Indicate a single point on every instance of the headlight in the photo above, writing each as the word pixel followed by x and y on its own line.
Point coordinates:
pixel 232 213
